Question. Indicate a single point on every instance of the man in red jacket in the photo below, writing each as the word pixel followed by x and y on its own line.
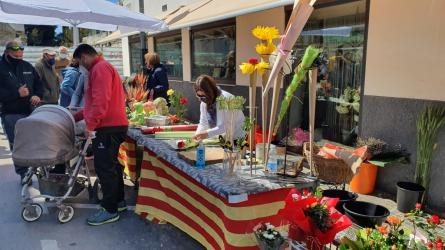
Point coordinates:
pixel 104 113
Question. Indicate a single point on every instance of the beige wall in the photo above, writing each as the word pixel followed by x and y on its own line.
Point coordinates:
pixel 406 49
pixel 246 42
pixel 150 44
pixel 186 55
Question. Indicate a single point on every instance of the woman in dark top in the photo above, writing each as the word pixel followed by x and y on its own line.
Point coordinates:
pixel 157 81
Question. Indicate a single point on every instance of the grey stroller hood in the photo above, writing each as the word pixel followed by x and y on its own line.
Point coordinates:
pixel 46 137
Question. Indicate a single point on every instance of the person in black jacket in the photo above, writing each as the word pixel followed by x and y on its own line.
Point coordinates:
pixel 157 80
pixel 20 91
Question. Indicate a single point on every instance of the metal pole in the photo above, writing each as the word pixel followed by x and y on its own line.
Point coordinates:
pixel 75 36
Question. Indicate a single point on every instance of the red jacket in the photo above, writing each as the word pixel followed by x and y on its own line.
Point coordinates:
pixel 104 98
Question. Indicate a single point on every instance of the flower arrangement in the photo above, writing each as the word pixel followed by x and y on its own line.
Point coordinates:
pixel 268 237
pixel 392 236
pixel 313 218
pixel 135 89
pixel 266 35
pixel 229 107
pixel 309 57
pixel 349 101
pixel 177 101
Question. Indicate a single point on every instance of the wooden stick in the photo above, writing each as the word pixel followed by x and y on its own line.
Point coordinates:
pixel 252 111
pixel 300 14
pixel 264 105
pixel 274 112
pixel 312 102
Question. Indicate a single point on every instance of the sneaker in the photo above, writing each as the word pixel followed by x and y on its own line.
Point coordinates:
pixel 102 217
pixel 122 207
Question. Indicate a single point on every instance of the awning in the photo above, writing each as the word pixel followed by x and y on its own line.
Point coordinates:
pixel 206 11
pixel 115 36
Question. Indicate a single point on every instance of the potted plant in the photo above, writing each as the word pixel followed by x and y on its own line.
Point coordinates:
pixel 431 120
pixel 177 102
pixel 378 154
pixel 392 235
pixel 267 237
pixel 313 218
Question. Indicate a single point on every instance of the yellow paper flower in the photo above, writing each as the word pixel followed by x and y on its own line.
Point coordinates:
pixel 266 33
pixel 262 67
pixel 265 49
pixel 247 68
pixel 170 92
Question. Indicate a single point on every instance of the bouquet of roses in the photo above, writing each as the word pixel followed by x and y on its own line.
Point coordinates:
pixel 313 218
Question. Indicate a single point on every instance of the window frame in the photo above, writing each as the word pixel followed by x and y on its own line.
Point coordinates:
pixel 166 35
pixel 210 26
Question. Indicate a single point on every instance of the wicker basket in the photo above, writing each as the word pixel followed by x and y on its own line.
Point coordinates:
pixel 335 171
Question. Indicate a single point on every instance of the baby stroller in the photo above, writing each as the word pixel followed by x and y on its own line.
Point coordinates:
pixel 45 138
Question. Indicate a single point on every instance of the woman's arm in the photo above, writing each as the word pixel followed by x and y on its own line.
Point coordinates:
pixel 203 122
pixel 160 81
pixel 69 82
pixel 76 98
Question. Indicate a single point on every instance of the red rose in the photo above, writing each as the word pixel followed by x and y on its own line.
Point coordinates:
pixel 435 220
pixel 183 100
pixel 438 239
pixel 439 246
pixel 418 206
pixel 181 144
pixel 253 61
pixel 430 245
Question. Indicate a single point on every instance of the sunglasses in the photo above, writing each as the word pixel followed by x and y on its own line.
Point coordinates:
pixel 17 48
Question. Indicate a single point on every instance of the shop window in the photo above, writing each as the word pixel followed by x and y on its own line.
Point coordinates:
pixel 170 52
pixel 213 53
pixel 340 31
pixel 135 54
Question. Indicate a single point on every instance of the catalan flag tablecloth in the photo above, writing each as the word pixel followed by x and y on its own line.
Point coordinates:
pixel 217 211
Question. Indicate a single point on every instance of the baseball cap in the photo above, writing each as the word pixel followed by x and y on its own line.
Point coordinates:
pixel 49 51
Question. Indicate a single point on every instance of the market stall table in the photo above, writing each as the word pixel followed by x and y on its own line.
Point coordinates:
pixel 217 211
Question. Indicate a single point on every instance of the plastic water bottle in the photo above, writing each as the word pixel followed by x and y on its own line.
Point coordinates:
pixel 200 156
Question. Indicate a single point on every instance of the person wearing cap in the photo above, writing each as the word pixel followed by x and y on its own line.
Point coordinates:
pixel 62 61
pixel 48 76
pixel 20 91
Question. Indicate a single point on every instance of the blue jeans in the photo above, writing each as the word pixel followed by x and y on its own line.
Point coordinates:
pixel 8 124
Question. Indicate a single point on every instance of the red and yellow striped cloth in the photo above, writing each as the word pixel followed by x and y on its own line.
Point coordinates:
pixel 127 157
pixel 166 194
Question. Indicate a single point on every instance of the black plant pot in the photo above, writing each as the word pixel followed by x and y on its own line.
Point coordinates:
pixel 408 194
pixel 343 195
pixel 366 214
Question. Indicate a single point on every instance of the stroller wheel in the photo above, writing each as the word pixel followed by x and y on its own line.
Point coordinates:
pixel 65 214
pixel 32 212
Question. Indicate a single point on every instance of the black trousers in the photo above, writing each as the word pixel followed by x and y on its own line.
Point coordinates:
pixel 108 169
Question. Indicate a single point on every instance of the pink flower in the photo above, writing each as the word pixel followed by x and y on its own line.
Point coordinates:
pixel 418 206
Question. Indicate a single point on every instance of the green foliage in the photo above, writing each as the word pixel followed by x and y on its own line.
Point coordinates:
pixel 431 120
pixel 309 57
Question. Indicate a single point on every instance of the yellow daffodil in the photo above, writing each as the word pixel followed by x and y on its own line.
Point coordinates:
pixel 170 92
pixel 265 49
pixel 266 33
pixel 262 67
pixel 247 68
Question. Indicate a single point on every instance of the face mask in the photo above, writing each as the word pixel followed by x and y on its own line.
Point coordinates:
pixel 13 60
pixel 63 56
pixel 51 61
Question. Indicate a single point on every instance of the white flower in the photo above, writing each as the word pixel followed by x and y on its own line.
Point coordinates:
pixel 295 196
pixel 275 232
pixel 269 226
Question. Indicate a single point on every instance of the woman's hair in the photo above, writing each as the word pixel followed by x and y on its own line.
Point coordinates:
pixel 152 58
pixel 207 85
